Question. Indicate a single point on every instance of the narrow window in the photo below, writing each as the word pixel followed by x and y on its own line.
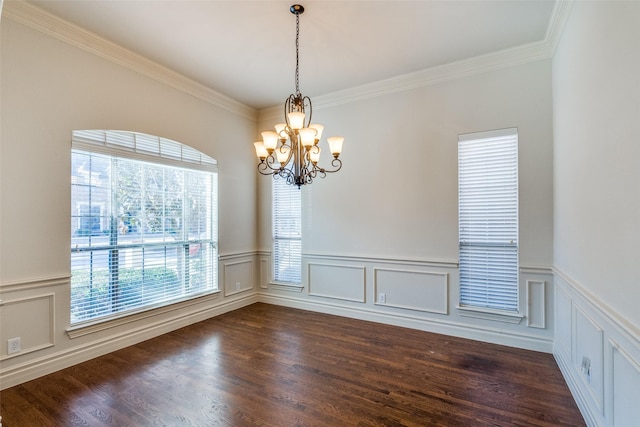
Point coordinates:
pixel 488 219
pixel 287 232
pixel 143 223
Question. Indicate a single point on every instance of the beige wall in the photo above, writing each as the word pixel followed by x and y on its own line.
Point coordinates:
pixel 49 88
pixel 394 204
pixel 387 223
pixel 597 178
pixel 596 108
pixel 400 168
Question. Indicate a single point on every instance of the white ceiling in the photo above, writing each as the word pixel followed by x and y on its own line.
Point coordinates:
pixel 246 49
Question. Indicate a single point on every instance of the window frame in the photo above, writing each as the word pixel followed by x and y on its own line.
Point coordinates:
pixel 290 206
pixel 502 293
pixel 115 146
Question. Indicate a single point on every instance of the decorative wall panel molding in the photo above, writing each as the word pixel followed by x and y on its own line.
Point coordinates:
pixel 32 319
pixel 413 290
pixel 425 290
pixel 411 319
pixel 598 356
pixel 237 277
pixel 34 368
pixel 264 273
pixel 536 306
pixel 440 263
pixel 30 284
pixel 535 270
pixel 343 282
pixel 589 360
pixel 564 323
pixel 625 393
pixel 235 255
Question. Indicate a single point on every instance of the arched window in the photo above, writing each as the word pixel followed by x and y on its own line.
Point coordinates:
pixel 143 223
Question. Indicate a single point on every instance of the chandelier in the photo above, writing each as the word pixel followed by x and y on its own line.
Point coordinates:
pixel 292 151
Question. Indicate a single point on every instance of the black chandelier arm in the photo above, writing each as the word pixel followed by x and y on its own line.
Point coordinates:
pixel 285 174
pixel 336 163
pixel 306 103
pixel 265 167
pixel 286 162
pixel 306 177
pixel 298 103
pixel 291 104
pixel 317 171
pixel 291 177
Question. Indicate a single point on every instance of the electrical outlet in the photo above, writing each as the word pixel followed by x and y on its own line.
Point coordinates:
pixel 237 286
pixel 13 345
pixel 382 298
pixel 586 368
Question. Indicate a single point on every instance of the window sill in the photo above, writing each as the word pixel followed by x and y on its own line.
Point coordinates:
pixel 93 326
pixel 290 287
pixel 487 314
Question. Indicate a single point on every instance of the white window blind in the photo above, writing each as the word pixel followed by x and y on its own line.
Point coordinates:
pixel 488 219
pixel 287 232
pixel 143 233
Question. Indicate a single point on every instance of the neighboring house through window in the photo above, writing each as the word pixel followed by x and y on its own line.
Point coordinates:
pixel 488 219
pixel 143 223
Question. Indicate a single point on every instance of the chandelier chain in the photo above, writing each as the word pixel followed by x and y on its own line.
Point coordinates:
pixel 297 54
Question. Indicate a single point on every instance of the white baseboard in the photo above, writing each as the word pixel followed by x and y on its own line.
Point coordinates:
pixel 50 363
pixel 495 336
pixel 582 404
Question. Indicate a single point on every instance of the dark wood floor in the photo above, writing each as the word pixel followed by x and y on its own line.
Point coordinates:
pixel 265 365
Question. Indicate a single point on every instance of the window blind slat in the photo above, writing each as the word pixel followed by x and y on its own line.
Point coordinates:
pixel 287 232
pixel 142 234
pixel 488 219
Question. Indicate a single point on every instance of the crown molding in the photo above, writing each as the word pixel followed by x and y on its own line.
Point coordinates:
pixel 44 22
pixel 507 58
pixel 40 20
pixel 559 17
pixel 427 77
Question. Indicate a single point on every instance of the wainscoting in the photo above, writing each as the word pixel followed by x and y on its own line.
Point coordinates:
pixel 598 355
pixel 28 311
pixel 37 311
pixel 419 294
pixel 237 272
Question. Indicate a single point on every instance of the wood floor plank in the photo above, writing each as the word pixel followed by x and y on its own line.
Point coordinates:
pixel 272 366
